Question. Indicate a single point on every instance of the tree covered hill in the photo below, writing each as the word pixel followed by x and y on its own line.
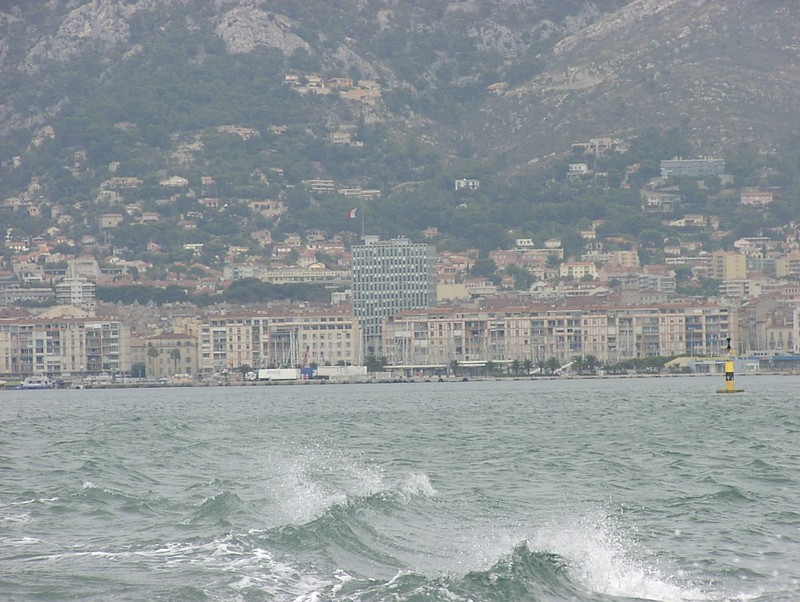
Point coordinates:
pixel 224 95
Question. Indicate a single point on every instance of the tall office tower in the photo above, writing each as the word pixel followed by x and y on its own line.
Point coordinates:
pixel 389 276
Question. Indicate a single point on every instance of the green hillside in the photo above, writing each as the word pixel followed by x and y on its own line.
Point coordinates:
pixel 147 90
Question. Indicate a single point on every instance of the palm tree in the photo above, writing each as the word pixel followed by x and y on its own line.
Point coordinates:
pixel 152 354
pixel 527 366
pixel 175 356
pixel 515 366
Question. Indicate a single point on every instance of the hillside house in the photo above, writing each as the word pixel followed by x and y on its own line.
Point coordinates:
pixel 243 132
pixel 174 182
pixel 132 209
pixel 752 245
pixel 659 202
pixel 467 184
pixel 601 146
pixel 268 208
pixel 109 196
pixel 293 240
pixel 340 82
pixel 755 198
pixel 367 97
pixel 451 268
pixel 315 237
pixel 340 137
pixel 478 287
pixel 689 221
pixel 498 88
pixel 262 237
pixel 527 259
pixel 320 186
pixel 577 170
pixel 364 194
pixel 121 182
pixel 679 167
pixel 210 202
pixel 83 267
pixel 577 270
pixel 18 246
pixel 109 221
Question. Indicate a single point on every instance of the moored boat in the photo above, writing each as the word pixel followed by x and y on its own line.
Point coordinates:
pixel 37 381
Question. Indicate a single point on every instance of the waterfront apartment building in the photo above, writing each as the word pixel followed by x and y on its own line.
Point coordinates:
pixel 169 354
pixel 260 340
pixel 62 346
pixel 389 277
pixel 611 331
pixel 438 337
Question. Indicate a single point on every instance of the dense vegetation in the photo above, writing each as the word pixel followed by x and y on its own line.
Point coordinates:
pixel 244 291
pixel 154 113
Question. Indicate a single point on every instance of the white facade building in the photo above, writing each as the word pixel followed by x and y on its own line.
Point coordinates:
pixel 75 291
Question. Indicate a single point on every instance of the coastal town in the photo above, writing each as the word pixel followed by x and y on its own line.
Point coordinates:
pixel 597 310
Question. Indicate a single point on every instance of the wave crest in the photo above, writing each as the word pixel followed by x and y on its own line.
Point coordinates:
pixel 310 482
pixel 521 575
pixel 600 555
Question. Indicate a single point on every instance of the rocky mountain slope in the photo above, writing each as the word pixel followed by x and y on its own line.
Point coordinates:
pixel 477 79
pixel 724 71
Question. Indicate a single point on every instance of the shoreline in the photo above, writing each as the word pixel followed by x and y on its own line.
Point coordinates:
pixel 14 386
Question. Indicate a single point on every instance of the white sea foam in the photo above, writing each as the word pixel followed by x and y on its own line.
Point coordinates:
pixel 483 548
pixel 416 484
pixel 16 518
pixel 249 568
pixel 301 497
pixel 602 557
pixel 308 482
pixel 11 542
pixel 343 578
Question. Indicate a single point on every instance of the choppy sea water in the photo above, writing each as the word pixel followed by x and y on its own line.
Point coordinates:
pixel 542 490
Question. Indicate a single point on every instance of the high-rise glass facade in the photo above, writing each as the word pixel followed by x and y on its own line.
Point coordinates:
pixel 388 277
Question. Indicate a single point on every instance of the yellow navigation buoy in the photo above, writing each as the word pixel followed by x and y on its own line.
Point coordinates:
pixel 729 369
